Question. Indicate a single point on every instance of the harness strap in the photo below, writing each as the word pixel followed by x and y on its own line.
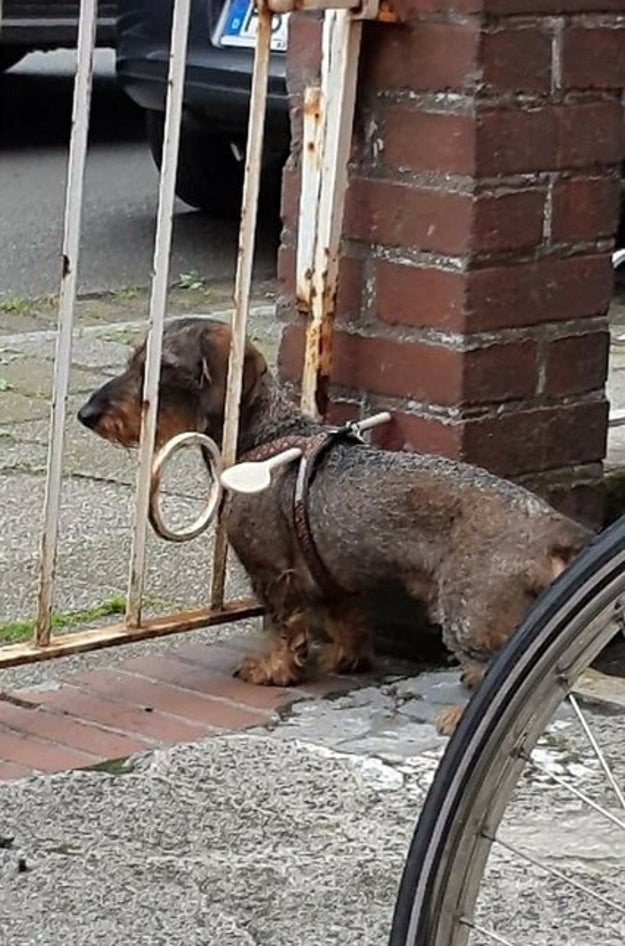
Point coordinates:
pixel 313 448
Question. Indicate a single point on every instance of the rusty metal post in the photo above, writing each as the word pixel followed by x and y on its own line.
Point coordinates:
pixel 328 122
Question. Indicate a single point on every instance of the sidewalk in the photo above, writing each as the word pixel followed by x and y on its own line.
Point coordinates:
pixel 85 718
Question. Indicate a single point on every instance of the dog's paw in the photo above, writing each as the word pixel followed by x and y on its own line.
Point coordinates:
pixel 472 675
pixel 448 720
pixel 334 659
pixel 265 671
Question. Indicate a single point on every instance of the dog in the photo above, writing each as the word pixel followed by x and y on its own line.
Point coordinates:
pixel 476 550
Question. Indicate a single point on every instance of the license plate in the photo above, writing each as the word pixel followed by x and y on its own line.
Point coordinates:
pixel 240 25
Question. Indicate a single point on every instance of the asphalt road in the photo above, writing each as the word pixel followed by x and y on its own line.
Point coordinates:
pixel 121 189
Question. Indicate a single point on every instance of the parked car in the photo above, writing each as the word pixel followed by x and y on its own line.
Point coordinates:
pixel 26 26
pixel 216 96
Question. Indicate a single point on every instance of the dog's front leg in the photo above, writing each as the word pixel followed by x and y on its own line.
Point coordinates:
pixel 350 649
pixel 284 663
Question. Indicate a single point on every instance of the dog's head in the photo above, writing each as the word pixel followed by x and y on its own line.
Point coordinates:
pixel 192 387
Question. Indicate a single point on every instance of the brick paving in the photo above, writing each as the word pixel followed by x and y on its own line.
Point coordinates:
pixel 107 714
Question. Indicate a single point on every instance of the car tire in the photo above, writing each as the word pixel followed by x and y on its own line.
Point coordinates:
pixel 10 56
pixel 209 176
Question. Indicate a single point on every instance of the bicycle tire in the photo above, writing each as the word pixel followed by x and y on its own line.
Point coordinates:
pixel 559 638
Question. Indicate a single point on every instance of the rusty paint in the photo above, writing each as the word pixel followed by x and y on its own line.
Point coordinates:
pixel 99 637
pixel 386 14
pixel 65 267
pixel 312 103
pixel 220 554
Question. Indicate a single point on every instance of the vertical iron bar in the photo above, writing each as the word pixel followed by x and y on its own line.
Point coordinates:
pixel 243 283
pixel 158 303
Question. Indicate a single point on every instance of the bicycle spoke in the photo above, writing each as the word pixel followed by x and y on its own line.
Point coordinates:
pixel 496 938
pixel 597 749
pixel 556 873
pixel 573 791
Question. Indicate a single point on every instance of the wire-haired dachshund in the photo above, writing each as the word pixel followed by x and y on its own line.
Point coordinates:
pixel 476 550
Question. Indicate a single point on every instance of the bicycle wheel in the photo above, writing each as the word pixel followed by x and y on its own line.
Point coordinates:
pixel 492 766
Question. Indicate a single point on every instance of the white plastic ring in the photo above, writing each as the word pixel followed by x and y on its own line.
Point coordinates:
pixel 162 457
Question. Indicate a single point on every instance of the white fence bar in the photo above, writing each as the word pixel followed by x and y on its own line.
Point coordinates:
pixel 243 282
pixel 67 299
pixel 158 303
pixel 310 189
pixel 340 53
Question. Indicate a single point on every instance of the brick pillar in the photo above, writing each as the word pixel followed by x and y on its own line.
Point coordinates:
pixel 483 199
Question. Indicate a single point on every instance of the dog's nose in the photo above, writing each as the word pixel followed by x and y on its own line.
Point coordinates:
pixel 89 415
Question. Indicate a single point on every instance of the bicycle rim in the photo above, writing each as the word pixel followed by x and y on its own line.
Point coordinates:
pixel 569 626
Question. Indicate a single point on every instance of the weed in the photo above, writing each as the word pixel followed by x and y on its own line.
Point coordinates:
pixel 14 631
pixel 191 280
pixel 16 305
pixel 126 293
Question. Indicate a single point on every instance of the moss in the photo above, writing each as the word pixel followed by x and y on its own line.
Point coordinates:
pixel 14 631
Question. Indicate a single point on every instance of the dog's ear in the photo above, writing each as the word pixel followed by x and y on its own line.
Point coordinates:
pixel 214 370
pixel 182 365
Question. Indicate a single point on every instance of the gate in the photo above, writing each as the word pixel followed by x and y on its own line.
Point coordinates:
pixel 328 124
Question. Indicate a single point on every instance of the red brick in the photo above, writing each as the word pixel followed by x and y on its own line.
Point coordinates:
pixel 547 7
pixel 426 55
pixel 399 215
pixel 67 732
pixel 291 352
pixel 350 286
pixel 410 295
pixel 207 680
pixel 499 373
pixel 517 60
pixel 291 184
pixel 130 720
pixel 544 291
pixel 538 439
pixel 594 57
pixel 552 137
pixel 382 366
pixel 585 208
pixel 427 372
pixel 303 62
pixel 414 10
pixel 286 269
pixel 576 364
pixel 508 221
pixel 217 658
pixel 10 772
pixel 514 139
pixel 339 412
pixel 428 141
pixel 167 699
pixel 405 369
pixel 419 433
pixel 228 658
pixel 31 753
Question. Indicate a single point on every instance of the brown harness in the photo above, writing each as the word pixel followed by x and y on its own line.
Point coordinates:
pixel 313 448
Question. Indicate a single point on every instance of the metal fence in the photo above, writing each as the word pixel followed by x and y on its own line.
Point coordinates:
pixel 328 120
pixel 323 187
